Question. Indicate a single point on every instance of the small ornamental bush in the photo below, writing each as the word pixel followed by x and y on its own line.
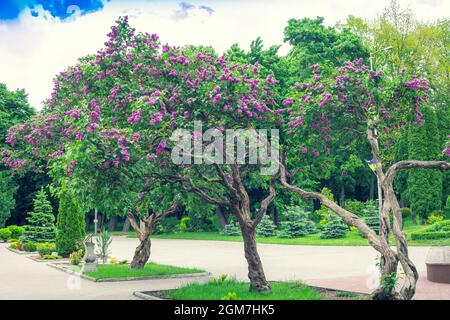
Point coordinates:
pixel 41 226
pixel 76 257
pixel 16 231
pixel 184 224
pixel 29 247
pixel 14 245
pixel 266 228
pixel 5 234
pixel 436 216
pixel 231 229
pixel 335 228
pixel 45 248
pixel 298 224
pixel 50 257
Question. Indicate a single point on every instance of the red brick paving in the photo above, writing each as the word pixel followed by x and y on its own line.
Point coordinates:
pixel 425 290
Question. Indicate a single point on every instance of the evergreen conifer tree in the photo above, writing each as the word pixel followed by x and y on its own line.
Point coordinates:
pixel 41 227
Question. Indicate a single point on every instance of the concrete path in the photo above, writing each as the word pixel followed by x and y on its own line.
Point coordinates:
pixel 351 268
pixel 22 278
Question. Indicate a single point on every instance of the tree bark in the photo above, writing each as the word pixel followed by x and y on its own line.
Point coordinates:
pixel 258 281
pixel 112 223
pixel 141 254
pixel 223 221
pixel 126 225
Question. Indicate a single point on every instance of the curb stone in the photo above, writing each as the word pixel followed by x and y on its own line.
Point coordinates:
pixel 145 296
pixel 20 252
pixel 174 276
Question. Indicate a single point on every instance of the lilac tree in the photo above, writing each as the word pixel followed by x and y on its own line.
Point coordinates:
pixel 353 101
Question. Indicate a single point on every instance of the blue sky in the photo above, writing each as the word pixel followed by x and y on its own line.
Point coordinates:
pixel 40 38
pixel 11 9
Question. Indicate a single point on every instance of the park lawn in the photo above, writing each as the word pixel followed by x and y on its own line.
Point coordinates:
pixel 353 238
pixel 215 291
pixel 114 271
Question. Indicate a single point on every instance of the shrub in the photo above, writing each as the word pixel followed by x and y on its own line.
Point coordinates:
pixel 406 212
pixel 184 224
pixel 14 245
pixel 436 216
pixel 70 225
pixel 167 226
pixel 231 229
pixel 45 248
pixel 298 224
pixel 447 208
pixel 335 228
pixel 356 207
pixel 266 228
pixel 51 257
pixel 29 247
pixel 16 231
pixel 432 235
pixel 113 260
pixel 76 257
pixel 41 227
pixel 201 223
pixel 5 234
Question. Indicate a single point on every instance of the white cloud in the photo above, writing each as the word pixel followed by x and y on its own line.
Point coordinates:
pixel 33 50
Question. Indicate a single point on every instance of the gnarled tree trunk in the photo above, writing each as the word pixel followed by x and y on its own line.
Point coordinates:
pixel 143 230
pixel 141 254
pixel 258 281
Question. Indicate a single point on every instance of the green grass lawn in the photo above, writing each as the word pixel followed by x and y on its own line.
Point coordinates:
pixel 353 238
pixel 215 291
pixel 150 270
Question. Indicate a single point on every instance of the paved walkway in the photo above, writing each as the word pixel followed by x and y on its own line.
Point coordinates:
pixel 345 268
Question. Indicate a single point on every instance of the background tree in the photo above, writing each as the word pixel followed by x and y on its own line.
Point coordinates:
pixel 424 186
pixel 14 109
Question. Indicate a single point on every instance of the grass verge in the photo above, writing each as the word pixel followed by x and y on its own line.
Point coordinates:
pixel 239 290
pixel 115 271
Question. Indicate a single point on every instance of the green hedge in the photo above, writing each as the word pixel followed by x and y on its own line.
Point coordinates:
pixel 430 235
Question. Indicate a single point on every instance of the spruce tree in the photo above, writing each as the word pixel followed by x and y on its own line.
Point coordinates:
pixel 424 186
pixel 297 224
pixel 372 218
pixel 335 228
pixel 266 228
pixel 41 227
pixel 70 225
pixel 231 229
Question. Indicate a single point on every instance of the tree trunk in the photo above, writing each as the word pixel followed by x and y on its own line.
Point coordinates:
pixel 101 219
pixel 372 187
pixel 223 221
pixel 112 223
pixel 88 223
pixel 141 254
pixel 342 196
pixel 126 225
pixel 256 274
pixel 275 215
